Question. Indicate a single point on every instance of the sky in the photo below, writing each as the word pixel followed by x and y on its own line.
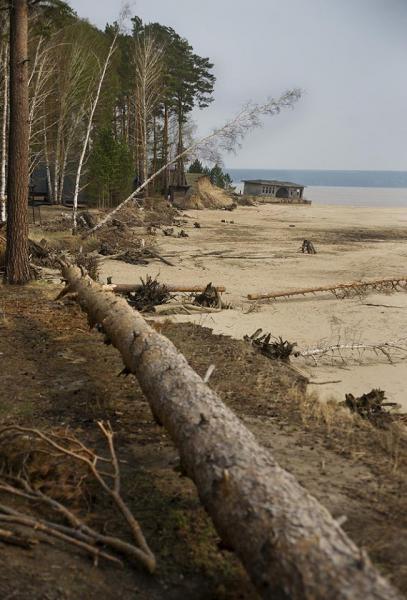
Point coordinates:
pixel 348 56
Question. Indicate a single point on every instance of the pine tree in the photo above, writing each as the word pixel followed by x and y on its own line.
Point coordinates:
pixel 17 259
pixel 196 167
pixel 110 169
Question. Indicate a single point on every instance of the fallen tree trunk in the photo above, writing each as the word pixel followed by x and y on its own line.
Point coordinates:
pixel 127 288
pixel 394 282
pixel 290 545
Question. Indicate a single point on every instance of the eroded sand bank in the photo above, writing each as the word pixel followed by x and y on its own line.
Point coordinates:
pixel 259 252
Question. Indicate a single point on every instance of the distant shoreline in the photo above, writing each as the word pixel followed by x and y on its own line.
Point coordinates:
pixel 369 197
pixel 322 178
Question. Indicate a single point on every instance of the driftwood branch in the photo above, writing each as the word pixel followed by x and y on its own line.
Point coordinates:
pixel 390 283
pixel 389 350
pixel 289 544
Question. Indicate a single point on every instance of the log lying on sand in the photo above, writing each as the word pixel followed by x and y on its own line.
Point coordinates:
pixel 390 282
pixel 127 288
pixel 290 545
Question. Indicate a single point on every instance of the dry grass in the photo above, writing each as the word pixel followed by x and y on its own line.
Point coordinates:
pixel 205 195
pixel 350 432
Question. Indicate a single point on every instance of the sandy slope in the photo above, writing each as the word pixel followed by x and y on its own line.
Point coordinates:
pixel 259 252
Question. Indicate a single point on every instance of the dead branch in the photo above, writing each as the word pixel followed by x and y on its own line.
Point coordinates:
pixel 15 538
pixel 290 545
pixel 10 516
pixel 390 350
pixel 109 482
pixel 173 308
pixel 340 290
pixel 125 288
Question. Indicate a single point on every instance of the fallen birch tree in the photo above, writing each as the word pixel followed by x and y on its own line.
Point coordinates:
pixel 392 283
pixel 289 543
pixel 225 138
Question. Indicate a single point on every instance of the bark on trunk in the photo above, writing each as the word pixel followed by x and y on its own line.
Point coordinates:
pixel 180 148
pixel 17 263
pixel 164 152
pixel 93 106
pixel 4 126
pixel 290 544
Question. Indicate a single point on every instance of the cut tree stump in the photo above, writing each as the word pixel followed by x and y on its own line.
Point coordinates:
pixel 288 542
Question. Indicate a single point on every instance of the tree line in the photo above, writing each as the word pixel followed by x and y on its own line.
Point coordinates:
pixel 141 117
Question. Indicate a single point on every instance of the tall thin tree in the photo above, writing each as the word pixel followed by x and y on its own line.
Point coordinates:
pixel 17 258
pixel 4 128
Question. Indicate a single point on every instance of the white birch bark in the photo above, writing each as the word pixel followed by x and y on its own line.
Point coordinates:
pixel 85 145
pixel 148 70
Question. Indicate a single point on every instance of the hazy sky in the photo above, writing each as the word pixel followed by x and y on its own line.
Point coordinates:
pixel 349 56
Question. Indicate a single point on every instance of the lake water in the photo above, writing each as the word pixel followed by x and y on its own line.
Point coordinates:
pixel 351 188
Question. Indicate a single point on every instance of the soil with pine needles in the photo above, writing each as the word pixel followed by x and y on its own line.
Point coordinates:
pixel 56 373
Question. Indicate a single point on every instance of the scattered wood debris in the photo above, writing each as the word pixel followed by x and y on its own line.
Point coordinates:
pixel 35 466
pixel 371 406
pixel 209 298
pixel 149 294
pixel 274 348
pixel 308 247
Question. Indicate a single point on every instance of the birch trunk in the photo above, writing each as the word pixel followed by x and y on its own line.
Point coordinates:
pixel 88 132
pixel 4 124
pixel 47 165
pixel 290 545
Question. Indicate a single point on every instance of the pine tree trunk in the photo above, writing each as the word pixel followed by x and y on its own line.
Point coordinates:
pixel 3 175
pixel 180 163
pixel 288 542
pixel 17 259
pixel 164 151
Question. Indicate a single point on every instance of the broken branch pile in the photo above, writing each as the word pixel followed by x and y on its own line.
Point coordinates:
pixel 371 406
pixel 290 545
pixel 277 349
pixel 34 466
pixel 149 294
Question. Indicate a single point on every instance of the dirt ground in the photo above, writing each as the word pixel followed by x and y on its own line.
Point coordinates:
pixel 55 373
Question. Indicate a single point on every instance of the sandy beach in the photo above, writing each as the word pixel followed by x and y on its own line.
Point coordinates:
pixel 259 252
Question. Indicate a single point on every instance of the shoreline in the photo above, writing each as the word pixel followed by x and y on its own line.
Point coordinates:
pixel 353 196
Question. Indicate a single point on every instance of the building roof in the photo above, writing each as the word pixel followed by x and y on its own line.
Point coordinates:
pixel 273 182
